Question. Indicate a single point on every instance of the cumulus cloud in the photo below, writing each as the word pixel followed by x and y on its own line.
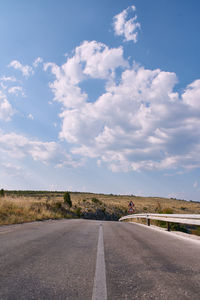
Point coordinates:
pixel 4 80
pixel 8 78
pixel 37 61
pixel 125 26
pixel 18 146
pixel 139 122
pixel 16 90
pixel 90 60
pixel 6 110
pixel 191 96
pixel 25 69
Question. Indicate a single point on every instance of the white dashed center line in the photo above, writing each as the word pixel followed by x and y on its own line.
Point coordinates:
pixel 99 288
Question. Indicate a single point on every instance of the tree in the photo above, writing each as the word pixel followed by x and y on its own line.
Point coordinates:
pixel 2 193
pixel 67 199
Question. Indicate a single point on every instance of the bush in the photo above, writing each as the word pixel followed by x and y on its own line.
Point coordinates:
pixel 2 193
pixel 179 227
pixel 58 205
pixel 196 230
pixel 158 208
pixel 95 200
pixel 167 210
pixel 78 211
pixel 183 208
pixel 67 199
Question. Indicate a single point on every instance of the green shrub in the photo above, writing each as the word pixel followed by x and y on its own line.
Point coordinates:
pixel 97 201
pixel 78 211
pixel 167 210
pixel 183 208
pixel 179 227
pixel 103 209
pixel 2 193
pixel 196 230
pixel 161 223
pixel 58 205
pixel 158 208
pixel 67 199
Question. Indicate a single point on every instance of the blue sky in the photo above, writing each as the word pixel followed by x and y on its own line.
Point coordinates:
pixel 101 96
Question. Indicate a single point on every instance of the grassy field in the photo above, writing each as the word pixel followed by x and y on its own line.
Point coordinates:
pixel 26 206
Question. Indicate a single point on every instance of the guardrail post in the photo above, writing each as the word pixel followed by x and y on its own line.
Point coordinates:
pixel 148 222
pixel 168 226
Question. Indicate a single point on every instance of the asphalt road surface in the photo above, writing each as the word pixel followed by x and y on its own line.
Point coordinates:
pixel 96 260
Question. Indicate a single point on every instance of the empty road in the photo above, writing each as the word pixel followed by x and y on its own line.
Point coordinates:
pixel 96 260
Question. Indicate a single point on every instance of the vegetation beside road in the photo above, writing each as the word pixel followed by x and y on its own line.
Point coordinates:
pixel 22 209
pixel 27 206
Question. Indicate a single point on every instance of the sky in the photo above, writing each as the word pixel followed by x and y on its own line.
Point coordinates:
pixel 101 96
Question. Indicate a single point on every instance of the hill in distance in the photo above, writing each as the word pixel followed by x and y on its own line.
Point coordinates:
pixel 27 206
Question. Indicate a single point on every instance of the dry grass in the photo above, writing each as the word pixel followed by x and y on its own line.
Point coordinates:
pixel 142 204
pixel 19 208
pixel 25 209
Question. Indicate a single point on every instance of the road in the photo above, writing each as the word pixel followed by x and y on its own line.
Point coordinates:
pixel 96 260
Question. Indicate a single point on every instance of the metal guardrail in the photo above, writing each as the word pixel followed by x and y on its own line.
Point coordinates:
pixel 169 218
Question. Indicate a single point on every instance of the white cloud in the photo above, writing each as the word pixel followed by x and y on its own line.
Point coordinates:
pixel 90 60
pixel 13 171
pixel 195 184
pixel 17 146
pixel 25 69
pixel 37 61
pixel 30 116
pixel 16 90
pixel 6 110
pixel 139 122
pixel 127 28
pixel 191 96
pixel 100 61
pixel 8 78
pixel 10 166
pixel 3 86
